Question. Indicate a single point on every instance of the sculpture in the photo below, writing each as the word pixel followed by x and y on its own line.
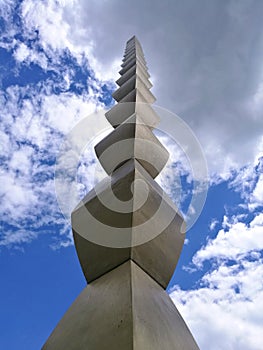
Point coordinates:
pixel 127 255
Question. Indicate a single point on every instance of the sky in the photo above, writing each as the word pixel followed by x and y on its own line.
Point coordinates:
pixel 58 63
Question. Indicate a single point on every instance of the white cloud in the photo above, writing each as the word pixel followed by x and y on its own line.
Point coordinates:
pixel 18 196
pixel 225 310
pixel 21 160
pixel 4 143
pixel 249 182
pixel 257 195
pixel 6 7
pixel 237 239
pixel 170 177
pixel 57 23
pixel 22 52
pixel 212 78
pixel 35 119
pixel 210 74
pixel 227 313
pixel 46 17
pixel 213 224
pixel 33 125
pixel 16 238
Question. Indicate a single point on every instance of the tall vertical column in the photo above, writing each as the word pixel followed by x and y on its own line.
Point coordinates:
pixel 128 234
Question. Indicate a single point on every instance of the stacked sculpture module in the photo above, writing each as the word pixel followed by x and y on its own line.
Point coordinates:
pixel 128 235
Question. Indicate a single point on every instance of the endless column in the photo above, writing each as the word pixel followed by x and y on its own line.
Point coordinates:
pixel 128 237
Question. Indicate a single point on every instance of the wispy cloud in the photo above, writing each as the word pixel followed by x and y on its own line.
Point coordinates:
pixel 248 181
pixel 34 122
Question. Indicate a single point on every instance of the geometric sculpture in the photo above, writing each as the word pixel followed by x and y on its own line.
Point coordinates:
pixel 132 131
pixel 127 254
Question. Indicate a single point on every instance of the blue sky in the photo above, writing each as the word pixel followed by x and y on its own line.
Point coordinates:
pixel 58 63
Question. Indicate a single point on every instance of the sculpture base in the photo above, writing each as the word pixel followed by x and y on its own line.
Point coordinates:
pixel 124 309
